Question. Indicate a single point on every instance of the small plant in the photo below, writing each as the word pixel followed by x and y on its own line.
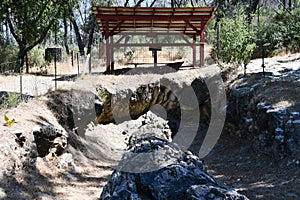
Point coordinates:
pixel 8 122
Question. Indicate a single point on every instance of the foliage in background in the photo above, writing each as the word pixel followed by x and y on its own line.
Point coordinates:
pixel 74 27
pixel 237 39
pixel 36 57
pixel 282 33
pixel 8 57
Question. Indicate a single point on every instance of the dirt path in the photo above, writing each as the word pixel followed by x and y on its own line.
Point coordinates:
pixel 256 175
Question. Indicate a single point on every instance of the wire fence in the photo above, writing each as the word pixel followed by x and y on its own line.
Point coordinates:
pixel 36 83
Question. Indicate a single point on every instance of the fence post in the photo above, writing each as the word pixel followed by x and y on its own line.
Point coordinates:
pixel 90 63
pixel 72 55
pixel 21 84
pixel 77 64
pixel 55 71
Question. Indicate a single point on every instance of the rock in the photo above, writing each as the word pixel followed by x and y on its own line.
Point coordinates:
pixel 99 105
pixel 199 192
pixel 20 138
pixel 44 196
pixel 2 194
pixel 172 100
pixel 49 139
pixel 66 160
pixel 183 178
pixel 272 129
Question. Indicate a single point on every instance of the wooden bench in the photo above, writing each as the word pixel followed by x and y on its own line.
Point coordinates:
pixel 176 65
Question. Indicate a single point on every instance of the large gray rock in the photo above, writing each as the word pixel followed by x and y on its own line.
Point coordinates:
pixel 184 178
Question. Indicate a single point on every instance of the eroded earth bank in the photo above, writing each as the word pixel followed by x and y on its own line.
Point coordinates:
pixel 190 134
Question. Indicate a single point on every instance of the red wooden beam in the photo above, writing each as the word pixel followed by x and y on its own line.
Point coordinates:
pixel 116 27
pixel 193 27
pixel 154 17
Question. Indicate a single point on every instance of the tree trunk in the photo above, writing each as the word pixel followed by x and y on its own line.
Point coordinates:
pixel 21 59
pixel 90 40
pixel 218 40
pixel 71 36
pixel 126 3
pixel 55 35
pixel 2 39
pixel 7 34
pixel 27 64
pixel 77 33
pixel 66 35
pixel 138 4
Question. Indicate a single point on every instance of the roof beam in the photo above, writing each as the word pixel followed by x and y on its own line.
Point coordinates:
pixel 153 17
pixel 154 44
pixel 193 27
pixel 116 27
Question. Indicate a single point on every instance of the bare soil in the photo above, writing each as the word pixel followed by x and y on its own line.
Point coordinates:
pixel 256 175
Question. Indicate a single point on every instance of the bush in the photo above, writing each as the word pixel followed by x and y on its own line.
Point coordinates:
pixel 36 58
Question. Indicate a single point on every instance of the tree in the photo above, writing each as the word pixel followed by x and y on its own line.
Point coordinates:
pixel 237 40
pixel 29 21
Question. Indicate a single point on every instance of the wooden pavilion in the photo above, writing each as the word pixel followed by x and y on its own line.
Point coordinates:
pixel 126 21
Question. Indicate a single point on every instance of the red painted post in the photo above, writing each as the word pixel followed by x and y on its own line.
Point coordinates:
pixel 107 48
pixel 112 62
pixel 202 39
pixel 194 50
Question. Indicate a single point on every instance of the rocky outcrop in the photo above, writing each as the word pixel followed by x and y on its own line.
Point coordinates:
pixel 262 113
pixel 75 109
pixel 184 178
pixel 278 128
pixel 177 100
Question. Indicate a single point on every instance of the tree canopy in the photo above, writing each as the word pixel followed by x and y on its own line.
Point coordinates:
pixel 29 21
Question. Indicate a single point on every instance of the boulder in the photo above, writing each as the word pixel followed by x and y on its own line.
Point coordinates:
pixel 185 177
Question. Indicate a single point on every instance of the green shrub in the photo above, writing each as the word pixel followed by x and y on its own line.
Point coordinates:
pixel 36 57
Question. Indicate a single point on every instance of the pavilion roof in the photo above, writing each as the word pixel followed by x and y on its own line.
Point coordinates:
pixel 188 21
